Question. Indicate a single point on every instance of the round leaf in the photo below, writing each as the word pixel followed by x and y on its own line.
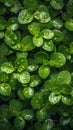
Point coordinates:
pixel 25 17
pixel 44 71
pixel 54 99
pixel 64 77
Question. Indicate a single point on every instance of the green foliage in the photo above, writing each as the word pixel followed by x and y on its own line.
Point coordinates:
pixel 37 41
pixel 47 34
pixel 42 14
pixel 57 4
pixel 25 17
pixel 64 77
pixel 7 67
pixel 5 89
pixel 41 115
pixel 19 123
pixel 69 7
pixel 36 64
pixel 37 100
pixel 27 114
pixel 15 107
pixel 28 92
pixel 69 24
pixel 44 71
pixel 54 98
pixel 57 60
pixel 48 124
pixel 23 77
pixel 48 45
pixel 34 28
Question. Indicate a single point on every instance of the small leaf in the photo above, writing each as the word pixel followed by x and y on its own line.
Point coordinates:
pixel 25 17
pixel 19 123
pixel 64 77
pixel 34 28
pixel 67 100
pixel 15 107
pixel 48 125
pixel 44 71
pixel 57 4
pixel 37 41
pixel 42 14
pixel 7 67
pixel 47 34
pixel 57 60
pixel 54 99
pixel 27 114
pixel 28 92
pixel 5 89
pixel 23 77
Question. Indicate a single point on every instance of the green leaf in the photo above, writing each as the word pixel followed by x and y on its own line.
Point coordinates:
pixel 67 100
pixel 4 112
pixel 5 50
pixel 48 45
pixel 23 77
pixel 69 7
pixel 2 23
pixel 28 92
pixel 21 64
pixel 2 59
pixel 47 34
pixel 12 24
pixel 64 49
pixel 5 89
pixel 57 4
pixel 9 3
pixel 66 16
pixel 42 14
pixel 13 82
pixel 19 123
pixel 57 23
pixel 25 17
pixel 27 43
pixel 69 24
pixel 44 71
pixel 35 80
pixel 37 101
pixel 59 36
pixel 20 94
pixel 15 107
pixel 48 125
pixel 57 60
pixel 12 38
pixel 30 4
pixel 7 67
pixel 41 56
pixel 32 66
pixel 16 7
pixel 27 114
pixel 64 77
pixel 34 28
pixel 1 34
pixel 3 77
pixel 37 41
pixel 41 115
pixel 71 48
pixel 65 121
pixel 54 99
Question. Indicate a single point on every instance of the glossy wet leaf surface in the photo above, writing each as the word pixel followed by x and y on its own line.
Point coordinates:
pixel 36 64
